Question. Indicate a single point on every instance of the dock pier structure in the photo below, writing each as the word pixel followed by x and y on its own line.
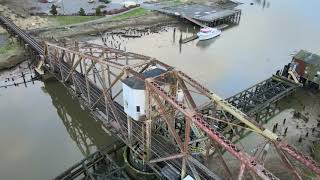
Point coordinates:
pixel 204 16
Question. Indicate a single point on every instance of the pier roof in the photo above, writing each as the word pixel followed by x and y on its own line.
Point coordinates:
pixel 200 12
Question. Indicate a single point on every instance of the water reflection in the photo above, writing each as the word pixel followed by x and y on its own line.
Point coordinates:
pixel 87 133
pixel 174 36
pixel 206 44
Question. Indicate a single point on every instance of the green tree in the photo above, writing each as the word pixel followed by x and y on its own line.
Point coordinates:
pixel 53 10
pixel 82 12
pixel 105 1
pixel 98 11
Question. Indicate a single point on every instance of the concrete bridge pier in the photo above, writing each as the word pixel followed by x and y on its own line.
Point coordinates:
pixel 40 71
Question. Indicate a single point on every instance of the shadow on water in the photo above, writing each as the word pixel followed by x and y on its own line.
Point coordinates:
pixel 87 133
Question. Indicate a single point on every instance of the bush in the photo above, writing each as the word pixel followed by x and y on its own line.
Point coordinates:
pixel 105 1
pixel 98 12
pixel 53 10
pixel 82 12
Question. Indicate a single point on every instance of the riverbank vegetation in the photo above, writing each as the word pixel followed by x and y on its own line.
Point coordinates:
pixel 133 13
pixel 8 48
pixel 67 20
pixel 11 54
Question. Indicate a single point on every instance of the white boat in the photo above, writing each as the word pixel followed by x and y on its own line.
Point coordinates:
pixel 90 1
pixel 208 33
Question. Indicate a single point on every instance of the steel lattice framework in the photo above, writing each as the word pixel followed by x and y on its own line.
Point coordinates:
pixel 257 97
pixel 163 138
pixel 95 73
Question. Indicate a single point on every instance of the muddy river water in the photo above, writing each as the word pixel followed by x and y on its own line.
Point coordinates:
pixel 43 130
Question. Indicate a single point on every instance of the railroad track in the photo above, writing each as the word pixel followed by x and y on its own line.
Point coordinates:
pixel 9 25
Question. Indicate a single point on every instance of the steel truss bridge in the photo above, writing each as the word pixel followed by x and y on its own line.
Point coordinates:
pixel 260 102
pixel 162 141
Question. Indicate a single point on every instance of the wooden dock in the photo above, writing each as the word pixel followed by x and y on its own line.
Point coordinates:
pixel 188 39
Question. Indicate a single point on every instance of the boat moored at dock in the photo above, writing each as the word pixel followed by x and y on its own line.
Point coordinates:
pixel 208 33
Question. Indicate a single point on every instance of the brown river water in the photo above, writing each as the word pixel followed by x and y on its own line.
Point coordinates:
pixel 43 130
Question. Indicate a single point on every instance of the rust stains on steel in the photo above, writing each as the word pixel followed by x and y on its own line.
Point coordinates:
pixel 162 134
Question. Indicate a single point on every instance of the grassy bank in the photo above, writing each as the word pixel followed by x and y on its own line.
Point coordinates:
pixel 66 20
pixel 8 48
pixel 316 152
pixel 134 13
pixel 11 54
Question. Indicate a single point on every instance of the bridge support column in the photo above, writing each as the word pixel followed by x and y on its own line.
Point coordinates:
pixel 129 122
pixel 147 140
pixel 39 70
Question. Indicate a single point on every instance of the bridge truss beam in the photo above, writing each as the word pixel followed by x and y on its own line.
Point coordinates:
pixel 95 73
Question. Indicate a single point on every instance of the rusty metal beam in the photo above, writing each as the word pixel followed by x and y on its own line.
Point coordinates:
pixel 306 160
pixel 171 157
pixel 241 171
pixel 287 163
pixel 167 120
pixel 213 134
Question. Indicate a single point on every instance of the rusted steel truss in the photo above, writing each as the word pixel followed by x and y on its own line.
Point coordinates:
pixel 95 73
pixel 171 127
pixel 252 100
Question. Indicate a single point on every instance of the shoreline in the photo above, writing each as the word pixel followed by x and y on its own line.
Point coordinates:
pixel 151 19
pixel 11 54
pixel 46 28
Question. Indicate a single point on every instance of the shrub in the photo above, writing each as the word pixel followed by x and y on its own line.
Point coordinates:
pixel 53 10
pixel 82 12
pixel 105 1
pixel 98 12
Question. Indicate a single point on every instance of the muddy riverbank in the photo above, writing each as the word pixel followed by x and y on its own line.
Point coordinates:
pixel 148 20
pixel 11 54
pixel 48 27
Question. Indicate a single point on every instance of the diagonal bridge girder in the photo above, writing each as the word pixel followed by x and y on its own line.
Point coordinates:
pixel 132 70
pixel 201 124
pixel 62 59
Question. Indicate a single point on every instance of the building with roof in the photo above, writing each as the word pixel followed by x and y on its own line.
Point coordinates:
pixel 134 94
pixel 307 65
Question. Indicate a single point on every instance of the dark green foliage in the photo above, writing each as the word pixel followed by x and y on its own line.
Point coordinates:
pixel 98 12
pixel 82 12
pixel 105 1
pixel 53 10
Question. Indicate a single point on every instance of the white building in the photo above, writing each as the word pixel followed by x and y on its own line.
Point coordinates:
pixel 128 4
pixel 134 96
